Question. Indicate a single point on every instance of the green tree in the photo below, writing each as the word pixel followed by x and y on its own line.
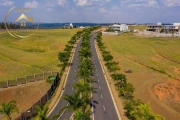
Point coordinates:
pixel 85 52
pixel 84 73
pixel 119 77
pixel 83 88
pixel 64 57
pixel 143 112
pixel 79 115
pixel 131 105
pixel 8 108
pixel 41 112
pixel 68 48
pixel 74 102
pixel 128 88
pixel 108 58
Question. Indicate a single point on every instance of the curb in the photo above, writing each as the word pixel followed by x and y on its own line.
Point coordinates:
pixel 112 96
pixel 64 83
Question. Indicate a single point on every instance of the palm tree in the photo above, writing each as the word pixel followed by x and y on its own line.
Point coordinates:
pixel 8 108
pixel 86 63
pixel 84 73
pixel 79 115
pixel 74 102
pixel 42 112
pixel 85 52
pixel 83 88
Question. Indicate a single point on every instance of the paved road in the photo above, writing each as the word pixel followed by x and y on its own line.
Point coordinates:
pixel 68 88
pixel 103 105
pixel 104 108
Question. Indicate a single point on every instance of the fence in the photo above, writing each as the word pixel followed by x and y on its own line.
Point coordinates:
pixel 29 113
pixel 110 33
pixel 26 79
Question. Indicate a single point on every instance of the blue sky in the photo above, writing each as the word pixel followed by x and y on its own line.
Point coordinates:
pixel 98 11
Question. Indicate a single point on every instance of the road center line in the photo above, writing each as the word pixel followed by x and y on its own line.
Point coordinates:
pixel 104 108
pixel 101 96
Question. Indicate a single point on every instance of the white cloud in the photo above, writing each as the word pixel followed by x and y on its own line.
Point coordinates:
pixel 115 7
pixel 102 10
pixel 139 3
pixel 171 3
pixel 82 2
pixel 32 4
pixel 6 3
pixel 49 9
pixel 89 2
pixel 61 2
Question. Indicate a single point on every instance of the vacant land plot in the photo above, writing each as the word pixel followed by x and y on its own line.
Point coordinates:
pixel 154 61
pixel 25 95
pixel 36 54
pixel 138 27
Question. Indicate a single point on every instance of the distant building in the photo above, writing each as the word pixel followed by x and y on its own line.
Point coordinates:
pixel 81 27
pixel 172 28
pixel 116 27
pixel 154 28
pixel 69 26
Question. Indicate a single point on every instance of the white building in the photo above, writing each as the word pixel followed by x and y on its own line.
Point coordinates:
pixel 175 27
pixel 154 28
pixel 69 26
pixel 116 27
pixel 81 27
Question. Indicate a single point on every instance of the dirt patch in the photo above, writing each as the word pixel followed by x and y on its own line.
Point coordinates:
pixel 25 95
pixel 169 93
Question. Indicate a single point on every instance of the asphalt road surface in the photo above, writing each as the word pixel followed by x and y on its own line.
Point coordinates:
pixel 68 88
pixel 103 107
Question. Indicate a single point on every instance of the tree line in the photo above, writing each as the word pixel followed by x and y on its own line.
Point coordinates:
pixel 9 25
pixel 80 99
pixel 135 109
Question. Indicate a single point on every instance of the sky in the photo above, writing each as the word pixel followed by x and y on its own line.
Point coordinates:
pixel 96 11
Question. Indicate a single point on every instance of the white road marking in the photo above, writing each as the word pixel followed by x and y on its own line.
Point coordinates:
pixel 101 96
pixel 104 108
pixel 75 70
pixel 72 88
pixel 99 87
pixel 71 116
pixel 62 112
pixel 96 69
pixel 97 74
pixel 98 80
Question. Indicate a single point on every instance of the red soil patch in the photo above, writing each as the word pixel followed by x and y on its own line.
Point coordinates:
pixel 169 93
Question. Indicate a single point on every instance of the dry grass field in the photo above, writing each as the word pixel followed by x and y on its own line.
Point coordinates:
pixel 155 63
pixel 36 54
